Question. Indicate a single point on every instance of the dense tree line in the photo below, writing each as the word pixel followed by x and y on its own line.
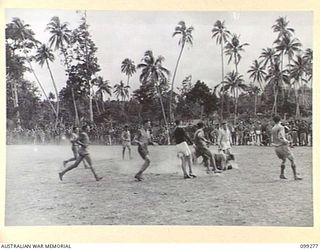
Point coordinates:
pixel 281 79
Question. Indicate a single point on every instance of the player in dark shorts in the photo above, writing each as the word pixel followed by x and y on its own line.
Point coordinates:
pixel 75 147
pixel 282 148
pixel 83 141
pixel 183 150
pixel 143 138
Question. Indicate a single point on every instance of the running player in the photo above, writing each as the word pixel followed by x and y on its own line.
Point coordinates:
pixel 83 141
pixel 183 150
pixel 282 148
pixel 126 141
pixel 75 147
pixel 143 138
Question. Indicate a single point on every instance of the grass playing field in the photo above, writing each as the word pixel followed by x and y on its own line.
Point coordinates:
pixel 253 194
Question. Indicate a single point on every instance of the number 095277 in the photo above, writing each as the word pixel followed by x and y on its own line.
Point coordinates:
pixel 308 246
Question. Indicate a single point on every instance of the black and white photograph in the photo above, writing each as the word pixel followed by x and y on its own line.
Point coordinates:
pixel 193 118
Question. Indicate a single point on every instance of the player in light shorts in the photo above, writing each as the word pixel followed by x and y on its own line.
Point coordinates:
pixel 224 144
pixel 183 150
pixel 126 141
pixel 282 148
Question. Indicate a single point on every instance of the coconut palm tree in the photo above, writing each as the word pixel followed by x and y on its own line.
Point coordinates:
pixel 234 83
pixel 60 36
pixel 221 34
pixel 268 56
pixel 298 71
pixel 254 91
pixel 60 40
pixel 281 27
pixel 257 72
pixel 153 73
pixel 275 77
pixel 103 88
pixel 121 91
pixel 128 67
pixel 43 56
pixel 233 49
pixel 25 34
pixel 308 56
pixel 185 35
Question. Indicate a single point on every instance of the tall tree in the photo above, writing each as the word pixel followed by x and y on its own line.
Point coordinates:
pixel 60 40
pixel 254 91
pixel 234 83
pixel 84 57
pixel 121 91
pixel 257 72
pixel 268 56
pixel 298 71
pixel 128 67
pixel 221 34
pixel 185 34
pixel 233 49
pixel 284 43
pixel 275 77
pixel 23 37
pixel 43 56
pixel 103 88
pixel 154 74
pixel 281 27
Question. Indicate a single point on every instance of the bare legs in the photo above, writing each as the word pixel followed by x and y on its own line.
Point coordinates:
pixel 293 167
pixel 124 150
pixel 145 165
pixel 76 164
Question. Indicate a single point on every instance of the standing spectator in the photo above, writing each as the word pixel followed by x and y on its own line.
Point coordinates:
pixel 259 133
pixel 241 133
pixel 294 133
pixel 126 141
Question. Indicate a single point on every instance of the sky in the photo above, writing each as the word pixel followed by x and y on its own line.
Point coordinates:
pixel 129 34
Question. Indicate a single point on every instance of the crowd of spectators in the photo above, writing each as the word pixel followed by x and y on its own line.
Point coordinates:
pixel 250 132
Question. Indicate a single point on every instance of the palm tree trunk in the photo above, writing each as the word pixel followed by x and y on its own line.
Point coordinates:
pixel 171 115
pixel 236 93
pixel 97 106
pixel 15 101
pixel 297 101
pixel 90 103
pixel 57 94
pixel 76 119
pixel 235 106
pixel 41 87
pixel 201 111
pixel 103 108
pixel 275 104
pixel 255 105
pixel 222 78
pixel 163 113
